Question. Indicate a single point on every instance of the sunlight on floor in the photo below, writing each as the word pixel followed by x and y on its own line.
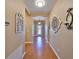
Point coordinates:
pixel 39 42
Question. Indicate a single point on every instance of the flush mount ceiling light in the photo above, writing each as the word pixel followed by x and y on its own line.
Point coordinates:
pixel 40 3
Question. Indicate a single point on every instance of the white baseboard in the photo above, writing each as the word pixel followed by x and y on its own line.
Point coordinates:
pixel 28 42
pixel 54 51
pixel 23 55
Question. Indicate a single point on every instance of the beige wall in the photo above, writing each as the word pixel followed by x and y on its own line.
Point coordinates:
pixel 63 40
pixel 28 23
pixel 13 40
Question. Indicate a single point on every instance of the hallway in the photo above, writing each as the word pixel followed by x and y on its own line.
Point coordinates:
pixel 39 29
pixel 39 49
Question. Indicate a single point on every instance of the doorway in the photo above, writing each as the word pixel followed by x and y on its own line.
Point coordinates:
pixel 39 28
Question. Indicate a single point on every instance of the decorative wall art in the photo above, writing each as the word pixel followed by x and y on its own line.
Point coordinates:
pixel 19 22
pixel 56 24
pixel 49 25
pixel 6 23
pixel 69 19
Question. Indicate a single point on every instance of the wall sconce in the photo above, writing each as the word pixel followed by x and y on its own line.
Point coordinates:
pixel 69 19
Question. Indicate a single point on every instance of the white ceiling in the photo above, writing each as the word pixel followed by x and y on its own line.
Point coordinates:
pixel 43 11
pixel 39 18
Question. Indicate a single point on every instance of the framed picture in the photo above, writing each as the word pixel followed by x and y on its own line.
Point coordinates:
pixel 19 22
pixel 56 24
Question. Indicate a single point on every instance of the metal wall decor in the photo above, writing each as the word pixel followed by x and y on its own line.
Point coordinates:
pixel 19 22
pixel 56 24
pixel 6 23
pixel 69 19
pixel 49 25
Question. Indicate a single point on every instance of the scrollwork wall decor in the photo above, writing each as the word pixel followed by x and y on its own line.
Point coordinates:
pixel 19 22
pixel 59 26
pixel 56 24
pixel 7 23
pixel 69 22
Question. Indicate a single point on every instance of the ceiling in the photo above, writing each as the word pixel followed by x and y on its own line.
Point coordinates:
pixel 36 11
pixel 40 18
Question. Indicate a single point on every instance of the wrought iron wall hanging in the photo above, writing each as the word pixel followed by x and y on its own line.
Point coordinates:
pixel 6 23
pixel 56 24
pixel 19 22
pixel 69 19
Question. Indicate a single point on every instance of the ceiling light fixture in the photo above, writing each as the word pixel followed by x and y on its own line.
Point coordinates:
pixel 40 3
pixel 39 22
